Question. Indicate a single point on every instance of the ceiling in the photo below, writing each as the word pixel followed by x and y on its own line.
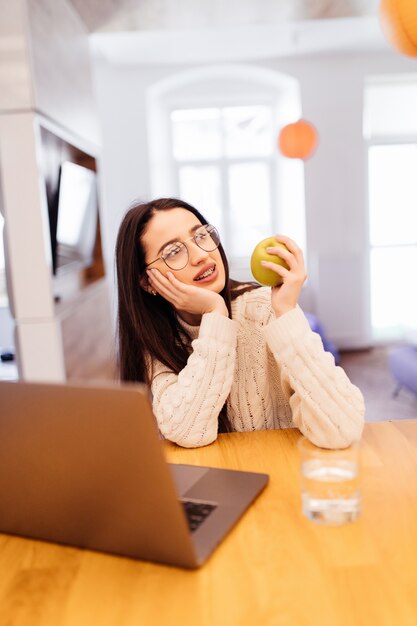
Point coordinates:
pixel 156 15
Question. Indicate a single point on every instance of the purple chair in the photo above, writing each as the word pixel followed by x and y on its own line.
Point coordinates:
pixel 328 345
pixel 402 363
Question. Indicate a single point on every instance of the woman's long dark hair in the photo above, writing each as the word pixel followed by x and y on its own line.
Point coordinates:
pixel 148 326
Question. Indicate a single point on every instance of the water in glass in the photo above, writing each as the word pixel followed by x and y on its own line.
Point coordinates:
pixel 330 490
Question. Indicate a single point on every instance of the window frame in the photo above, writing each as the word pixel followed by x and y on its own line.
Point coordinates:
pixel 239 265
pixel 388 333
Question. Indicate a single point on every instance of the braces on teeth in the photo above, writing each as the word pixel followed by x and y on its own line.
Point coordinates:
pixel 207 273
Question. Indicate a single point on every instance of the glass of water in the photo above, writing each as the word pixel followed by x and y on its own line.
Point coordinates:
pixel 330 489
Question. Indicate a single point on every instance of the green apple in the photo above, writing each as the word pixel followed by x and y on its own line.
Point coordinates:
pixel 262 274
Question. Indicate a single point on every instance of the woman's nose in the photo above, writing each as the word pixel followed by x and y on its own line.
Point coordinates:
pixel 196 253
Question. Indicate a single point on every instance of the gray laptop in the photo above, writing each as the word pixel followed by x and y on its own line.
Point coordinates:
pixel 84 466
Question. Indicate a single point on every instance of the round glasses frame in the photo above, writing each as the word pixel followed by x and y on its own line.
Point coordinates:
pixel 208 246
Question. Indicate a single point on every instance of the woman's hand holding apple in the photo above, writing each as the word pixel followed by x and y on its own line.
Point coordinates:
pixel 290 276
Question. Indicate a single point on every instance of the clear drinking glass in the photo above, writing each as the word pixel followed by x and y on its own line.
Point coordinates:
pixel 330 488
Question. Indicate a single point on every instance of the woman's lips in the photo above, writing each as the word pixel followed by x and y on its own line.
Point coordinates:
pixel 209 278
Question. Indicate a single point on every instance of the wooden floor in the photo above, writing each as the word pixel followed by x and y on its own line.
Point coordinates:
pixel 368 369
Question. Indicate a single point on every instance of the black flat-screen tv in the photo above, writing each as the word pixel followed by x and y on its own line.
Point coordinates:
pixel 75 225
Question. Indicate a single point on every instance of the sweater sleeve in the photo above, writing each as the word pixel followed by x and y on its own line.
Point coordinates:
pixel 326 407
pixel 187 405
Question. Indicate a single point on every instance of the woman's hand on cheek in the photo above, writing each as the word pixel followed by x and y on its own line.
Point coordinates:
pixel 188 298
pixel 285 297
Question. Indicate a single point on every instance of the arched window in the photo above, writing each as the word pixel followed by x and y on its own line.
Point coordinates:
pixel 213 142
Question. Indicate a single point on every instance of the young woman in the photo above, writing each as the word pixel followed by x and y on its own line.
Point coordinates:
pixel 219 355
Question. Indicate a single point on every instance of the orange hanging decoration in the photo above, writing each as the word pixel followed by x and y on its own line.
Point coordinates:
pixel 298 140
pixel 399 24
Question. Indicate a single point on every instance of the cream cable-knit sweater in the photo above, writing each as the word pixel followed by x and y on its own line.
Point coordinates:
pixel 273 372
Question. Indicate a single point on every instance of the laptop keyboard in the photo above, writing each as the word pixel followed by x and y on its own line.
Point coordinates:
pixel 196 512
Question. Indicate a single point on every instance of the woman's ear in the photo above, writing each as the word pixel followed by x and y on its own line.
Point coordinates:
pixel 144 283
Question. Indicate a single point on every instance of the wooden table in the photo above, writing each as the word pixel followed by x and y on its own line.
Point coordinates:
pixel 274 569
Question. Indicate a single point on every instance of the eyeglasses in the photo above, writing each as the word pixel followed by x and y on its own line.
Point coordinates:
pixel 175 255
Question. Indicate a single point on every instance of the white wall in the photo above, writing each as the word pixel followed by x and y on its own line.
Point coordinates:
pixel 124 165
pixel 15 79
pixel 61 70
pixel 336 186
pixel 335 178
pixel 44 71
